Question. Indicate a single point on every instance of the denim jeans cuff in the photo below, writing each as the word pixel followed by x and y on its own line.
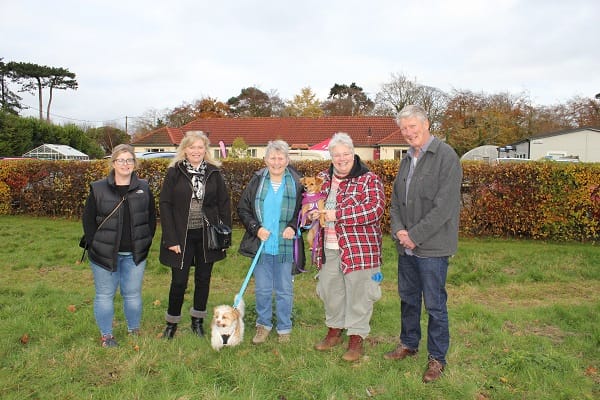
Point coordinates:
pixel 264 326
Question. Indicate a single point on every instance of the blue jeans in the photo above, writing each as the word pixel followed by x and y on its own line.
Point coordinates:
pixel 129 277
pixel 271 275
pixel 424 279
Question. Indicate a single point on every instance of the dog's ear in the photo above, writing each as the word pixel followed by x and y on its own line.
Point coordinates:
pixel 319 180
pixel 236 313
pixel 303 181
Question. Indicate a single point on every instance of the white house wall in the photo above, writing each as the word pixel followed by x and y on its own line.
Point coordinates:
pixel 584 144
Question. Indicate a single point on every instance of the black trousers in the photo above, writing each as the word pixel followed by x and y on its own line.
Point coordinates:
pixel 180 276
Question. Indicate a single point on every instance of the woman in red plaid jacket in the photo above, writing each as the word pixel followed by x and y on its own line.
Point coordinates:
pixel 348 252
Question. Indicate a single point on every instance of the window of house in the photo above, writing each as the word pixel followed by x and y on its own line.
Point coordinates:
pixel 399 154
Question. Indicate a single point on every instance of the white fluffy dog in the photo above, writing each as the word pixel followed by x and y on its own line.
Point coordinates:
pixel 227 326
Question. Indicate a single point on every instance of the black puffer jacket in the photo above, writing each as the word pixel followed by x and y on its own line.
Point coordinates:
pixel 175 198
pixel 104 243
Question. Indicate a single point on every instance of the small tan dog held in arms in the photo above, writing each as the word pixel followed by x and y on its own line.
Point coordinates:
pixel 227 326
pixel 312 200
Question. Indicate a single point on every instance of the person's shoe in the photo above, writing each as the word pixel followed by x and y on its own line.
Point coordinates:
pixel 261 334
pixel 284 338
pixel 333 338
pixel 355 348
pixel 434 370
pixel 400 353
pixel 109 341
pixel 197 327
pixel 170 330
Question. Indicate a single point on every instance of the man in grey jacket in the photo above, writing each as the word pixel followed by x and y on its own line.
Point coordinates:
pixel 424 224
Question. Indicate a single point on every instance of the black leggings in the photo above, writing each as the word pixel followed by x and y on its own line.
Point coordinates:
pixel 194 253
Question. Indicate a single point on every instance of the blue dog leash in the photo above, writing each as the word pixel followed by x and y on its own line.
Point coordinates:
pixel 238 297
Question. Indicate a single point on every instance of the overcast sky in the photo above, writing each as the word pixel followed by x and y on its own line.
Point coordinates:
pixel 131 56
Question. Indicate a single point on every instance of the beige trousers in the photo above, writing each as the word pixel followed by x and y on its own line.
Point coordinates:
pixel 349 298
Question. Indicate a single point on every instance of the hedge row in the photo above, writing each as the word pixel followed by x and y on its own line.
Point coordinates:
pixel 542 200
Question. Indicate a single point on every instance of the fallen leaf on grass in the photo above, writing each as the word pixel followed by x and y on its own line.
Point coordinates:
pixel 591 371
pixel 25 338
pixel 156 303
pixel 71 308
pixel 503 379
pixel 375 391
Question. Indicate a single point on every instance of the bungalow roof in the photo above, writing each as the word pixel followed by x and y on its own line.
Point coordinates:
pixel 365 131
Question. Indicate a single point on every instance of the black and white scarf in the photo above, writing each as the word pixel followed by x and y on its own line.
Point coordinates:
pixel 198 178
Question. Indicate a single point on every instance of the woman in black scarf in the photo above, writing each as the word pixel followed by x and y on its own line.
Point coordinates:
pixel 193 193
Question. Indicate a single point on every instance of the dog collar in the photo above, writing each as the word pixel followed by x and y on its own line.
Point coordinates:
pixel 312 197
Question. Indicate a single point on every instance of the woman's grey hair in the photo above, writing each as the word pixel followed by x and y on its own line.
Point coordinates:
pixel 412 111
pixel 278 145
pixel 120 149
pixel 341 138
pixel 189 139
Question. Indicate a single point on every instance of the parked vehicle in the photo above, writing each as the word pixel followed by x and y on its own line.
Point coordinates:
pixel 155 154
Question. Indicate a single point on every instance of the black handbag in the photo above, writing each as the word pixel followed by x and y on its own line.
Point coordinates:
pixel 299 261
pixel 83 243
pixel 219 236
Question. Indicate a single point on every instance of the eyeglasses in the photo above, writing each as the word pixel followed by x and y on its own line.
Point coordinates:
pixel 341 155
pixel 122 161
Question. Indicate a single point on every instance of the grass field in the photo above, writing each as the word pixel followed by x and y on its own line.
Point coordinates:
pixel 524 321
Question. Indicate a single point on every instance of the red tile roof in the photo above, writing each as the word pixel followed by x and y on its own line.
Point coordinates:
pixel 394 138
pixel 160 137
pixel 365 131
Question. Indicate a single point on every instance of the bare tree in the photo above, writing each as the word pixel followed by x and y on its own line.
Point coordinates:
pixel 401 91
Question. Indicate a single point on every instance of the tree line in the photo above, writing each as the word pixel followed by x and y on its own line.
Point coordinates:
pixel 463 118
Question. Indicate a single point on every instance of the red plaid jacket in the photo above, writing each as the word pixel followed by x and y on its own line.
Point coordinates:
pixel 360 203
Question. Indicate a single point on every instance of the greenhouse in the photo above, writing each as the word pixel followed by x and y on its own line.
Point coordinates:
pixel 56 152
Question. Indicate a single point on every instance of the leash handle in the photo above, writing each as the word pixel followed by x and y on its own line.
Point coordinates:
pixel 238 297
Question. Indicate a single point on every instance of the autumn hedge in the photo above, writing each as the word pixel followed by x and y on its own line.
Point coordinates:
pixel 538 200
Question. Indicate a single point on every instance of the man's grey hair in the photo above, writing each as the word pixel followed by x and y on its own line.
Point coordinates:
pixel 412 111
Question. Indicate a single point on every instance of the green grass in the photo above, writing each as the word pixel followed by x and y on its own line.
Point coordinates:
pixel 524 325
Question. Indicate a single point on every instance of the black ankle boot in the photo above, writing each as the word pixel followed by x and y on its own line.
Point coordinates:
pixel 170 330
pixel 197 326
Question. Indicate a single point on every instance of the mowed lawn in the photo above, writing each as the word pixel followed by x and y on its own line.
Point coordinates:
pixel 524 325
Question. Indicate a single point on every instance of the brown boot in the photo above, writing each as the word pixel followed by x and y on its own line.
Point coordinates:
pixel 434 371
pixel 355 348
pixel 400 353
pixel 333 338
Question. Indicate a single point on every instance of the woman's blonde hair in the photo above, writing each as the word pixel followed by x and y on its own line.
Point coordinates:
pixel 189 139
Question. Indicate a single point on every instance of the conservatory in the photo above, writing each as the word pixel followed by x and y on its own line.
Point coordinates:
pixel 56 152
